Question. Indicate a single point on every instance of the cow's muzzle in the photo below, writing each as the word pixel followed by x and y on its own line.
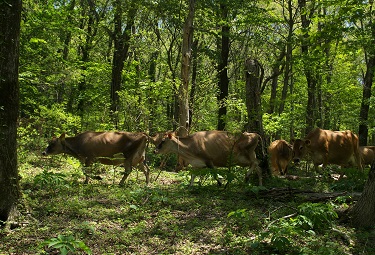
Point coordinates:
pixel 296 160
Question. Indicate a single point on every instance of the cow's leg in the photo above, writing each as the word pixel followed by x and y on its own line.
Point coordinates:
pixel 86 166
pixel 128 170
pixel 87 177
pixel 259 172
pixel 192 177
pixel 146 170
pixel 281 170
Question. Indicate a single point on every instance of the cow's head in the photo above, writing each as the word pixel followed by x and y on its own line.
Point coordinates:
pixel 55 146
pixel 158 137
pixel 300 148
pixel 166 144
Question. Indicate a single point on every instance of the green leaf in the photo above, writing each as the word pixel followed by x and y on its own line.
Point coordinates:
pixel 134 207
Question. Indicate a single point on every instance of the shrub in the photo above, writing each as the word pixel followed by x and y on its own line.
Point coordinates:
pixel 66 244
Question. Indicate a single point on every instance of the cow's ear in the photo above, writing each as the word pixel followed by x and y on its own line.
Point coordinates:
pixel 62 136
pixel 169 135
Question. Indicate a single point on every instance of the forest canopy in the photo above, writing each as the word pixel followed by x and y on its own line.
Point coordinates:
pixel 110 64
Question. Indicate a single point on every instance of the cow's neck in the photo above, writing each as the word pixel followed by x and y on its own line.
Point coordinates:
pixel 182 147
pixel 68 147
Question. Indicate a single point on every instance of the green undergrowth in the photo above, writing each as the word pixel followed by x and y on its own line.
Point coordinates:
pixel 58 214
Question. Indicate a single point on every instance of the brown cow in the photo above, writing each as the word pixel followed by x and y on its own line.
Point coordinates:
pixel 281 153
pixel 328 147
pixel 157 138
pixel 214 149
pixel 110 148
pixel 367 154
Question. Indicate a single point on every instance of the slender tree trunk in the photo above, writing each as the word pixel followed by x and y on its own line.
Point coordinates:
pixel 151 101
pixel 121 48
pixel 223 48
pixel 288 72
pixel 193 80
pixel 329 67
pixel 187 43
pixel 365 105
pixel 10 19
pixel 308 69
pixel 172 106
pixel 85 49
pixel 65 54
pixel 277 69
pixel 363 212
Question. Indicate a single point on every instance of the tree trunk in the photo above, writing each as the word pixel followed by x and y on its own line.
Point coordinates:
pixel 187 42
pixel 10 18
pixel 288 72
pixel 151 100
pixel 253 99
pixel 365 105
pixel 86 48
pixel 277 69
pixel 223 48
pixel 254 74
pixel 308 69
pixel 193 80
pixel 121 48
pixel 363 212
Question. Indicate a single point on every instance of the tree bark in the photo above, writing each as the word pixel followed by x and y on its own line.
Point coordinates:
pixel 193 80
pixel 187 43
pixel 10 18
pixel 365 105
pixel 311 80
pixel 121 48
pixel 253 74
pixel 277 69
pixel 85 48
pixel 363 212
pixel 223 80
pixel 288 72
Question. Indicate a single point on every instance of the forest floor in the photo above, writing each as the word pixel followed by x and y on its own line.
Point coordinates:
pixel 58 213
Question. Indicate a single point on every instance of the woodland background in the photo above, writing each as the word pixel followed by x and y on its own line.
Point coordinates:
pixel 104 65
pixel 119 65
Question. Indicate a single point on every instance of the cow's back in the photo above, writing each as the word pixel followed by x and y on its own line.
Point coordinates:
pixel 367 154
pixel 336 147
pixel 212 146
pixel 106 144
pixel 342 145
pixel 281 154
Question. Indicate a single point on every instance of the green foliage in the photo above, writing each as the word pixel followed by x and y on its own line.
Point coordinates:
pixel 50 180
pixel 167 217
pixel 315 216
pixel 56 120
pixel 311 217
pixel 66 244
pixel 66 64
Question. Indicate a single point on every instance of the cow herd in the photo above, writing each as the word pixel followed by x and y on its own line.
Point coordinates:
pixel 210 149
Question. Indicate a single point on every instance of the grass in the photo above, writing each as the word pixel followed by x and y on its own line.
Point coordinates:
pixel 169 217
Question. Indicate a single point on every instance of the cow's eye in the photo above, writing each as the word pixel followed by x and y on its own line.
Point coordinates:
pixel 301 147
pixel 161 143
